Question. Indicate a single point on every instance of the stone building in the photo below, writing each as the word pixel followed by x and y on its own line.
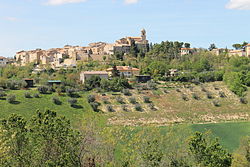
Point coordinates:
pixel 88 74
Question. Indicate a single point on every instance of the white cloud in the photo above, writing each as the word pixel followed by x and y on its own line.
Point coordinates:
pixel 131 1
pixel 11 19
pixel 61 2
pixel 239 4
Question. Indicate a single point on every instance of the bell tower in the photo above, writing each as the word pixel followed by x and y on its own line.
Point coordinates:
pixel 143 35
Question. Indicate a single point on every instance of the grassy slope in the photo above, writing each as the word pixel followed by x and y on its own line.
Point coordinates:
pixel 27 107
pixel 173 109
pixel 229 134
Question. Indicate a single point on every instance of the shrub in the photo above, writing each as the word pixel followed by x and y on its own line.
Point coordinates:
pixel 184 97
pixel 146 99
pixel 70 92
pixel 36 95
pixel 120 100
pixel 222 94
pixel 195 96
pixel 152 107
pixel 151 85
pixel 243 100
pixel 138 107
pixel 59 91
pixel 27 95
pixel 126 92
pixel 2 94
pixel 209 95
pixel 105 101
pixel 203 89
pixel 91 98
pixel 11 98
pixel 178 90
pixel 94 106
pixel 56 101
pixel 166 91
pixel 43 89
pixel 72 101
pixel 132 100
pixel 16 84
pixel 216 103
pixel 125 108
pixel 110 108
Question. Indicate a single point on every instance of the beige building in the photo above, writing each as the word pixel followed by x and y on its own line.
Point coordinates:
pixel 4 61
pixel 240 53
pixel 126 71
pixel 248 50
pixel 219 51
pixel 88 74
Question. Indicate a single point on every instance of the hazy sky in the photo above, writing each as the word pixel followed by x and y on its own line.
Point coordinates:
pixel 31 24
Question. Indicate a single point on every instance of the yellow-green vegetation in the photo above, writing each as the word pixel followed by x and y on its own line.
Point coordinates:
pixel 175 103
pixel 27 107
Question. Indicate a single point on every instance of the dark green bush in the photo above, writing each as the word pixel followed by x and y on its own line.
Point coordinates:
pixel 43 89
pixel 36 95
pixel 243 100
pixel 184 97
pixel 146 99
pixel 110 108
pixel 138 107
pixel 91 98
pixel 132 100
pixel 27 95
pixel 120 100
pixel 126 92
pixel 72 101
pixel 11 98
pixel 216 103
pixel 56 101
pixel 195 96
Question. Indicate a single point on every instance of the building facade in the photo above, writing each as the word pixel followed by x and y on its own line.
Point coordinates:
pixel 4 61
pixel 88 74
pixel 125 71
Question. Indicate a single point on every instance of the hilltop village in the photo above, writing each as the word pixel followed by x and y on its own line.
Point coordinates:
pixel 68 56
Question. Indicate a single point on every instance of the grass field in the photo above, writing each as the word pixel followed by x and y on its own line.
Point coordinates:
pixel 27 107
pixel 229 134
pixel 171 109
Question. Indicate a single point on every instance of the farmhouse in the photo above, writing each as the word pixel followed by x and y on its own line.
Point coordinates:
pixel 186 51
pixel 126 71
pixel 88 74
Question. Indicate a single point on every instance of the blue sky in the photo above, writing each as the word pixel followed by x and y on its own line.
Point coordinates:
pixel 31 24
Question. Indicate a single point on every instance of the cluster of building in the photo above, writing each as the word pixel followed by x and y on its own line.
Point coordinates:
pixel 69 55
pixel 244 52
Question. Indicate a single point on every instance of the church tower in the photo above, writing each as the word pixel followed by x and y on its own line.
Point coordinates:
pixel 143 35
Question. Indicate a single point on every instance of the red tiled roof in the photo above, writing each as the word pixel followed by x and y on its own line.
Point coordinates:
pixel 95 72
pixel 1 57
pixel 124 68
pixel 186 49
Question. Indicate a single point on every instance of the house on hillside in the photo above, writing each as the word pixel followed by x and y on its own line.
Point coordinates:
pixel 126 71
pixel 247 49
pixel 186 51
pixel 4 61
pixel 85 75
